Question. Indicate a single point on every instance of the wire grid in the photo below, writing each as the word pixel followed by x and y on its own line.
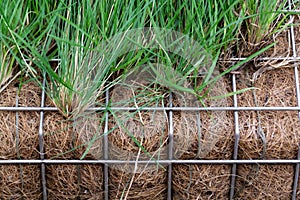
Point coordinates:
pixel 234 161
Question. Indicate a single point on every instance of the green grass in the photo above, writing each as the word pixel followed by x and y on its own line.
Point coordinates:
pixel 93 54
pixel 81 67
pixel 13 18
pixel 213 25
pixel 69 30
pixel 263 19
pixel 23 31
pixel 6 67
pixel 80 35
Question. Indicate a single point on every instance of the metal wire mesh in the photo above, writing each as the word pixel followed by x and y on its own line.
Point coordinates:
pixel 233 162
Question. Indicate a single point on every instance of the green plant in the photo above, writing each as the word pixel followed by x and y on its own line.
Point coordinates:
pixel 87 61
pixel 80 68
pixel 81 36
pixel 24 25
pixel 214 27
pixel 6 67
pixel 13 18
pixel 214 32
pixel 263 18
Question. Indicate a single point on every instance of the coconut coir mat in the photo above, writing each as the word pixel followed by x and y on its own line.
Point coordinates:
pixel 297 31
pixel 192 181
pixel 69 139
pixel 267 135
pixel 151 129
pixel 71 182
pixel 138 135
pixel 19 140
pixel 201 181
pixel 20 182
pixel 211 140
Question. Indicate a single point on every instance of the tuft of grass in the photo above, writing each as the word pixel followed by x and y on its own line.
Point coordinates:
pixel 6 67
pixel 263 18
pixel 22 32
pixel 81 69
pixel 81 35
pixel 13 18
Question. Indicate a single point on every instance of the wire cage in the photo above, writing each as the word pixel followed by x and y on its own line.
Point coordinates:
pixel 236 110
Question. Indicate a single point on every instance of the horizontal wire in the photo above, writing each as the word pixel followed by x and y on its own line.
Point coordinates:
pixel 47 162
pixel 271 108
pixel 263 59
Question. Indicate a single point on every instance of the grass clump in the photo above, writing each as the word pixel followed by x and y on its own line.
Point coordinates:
pixel 22 34
pixel 81 33
pixel 81 70
pixel 262 20
pixel 13 19
pixel 6 67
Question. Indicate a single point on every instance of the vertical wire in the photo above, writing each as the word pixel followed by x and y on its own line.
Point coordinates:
pixel 18 140
pixel 296 72
pixel 41 142
pixel 170 153
pixel 105 148
pixel 236 139
pixel 296 177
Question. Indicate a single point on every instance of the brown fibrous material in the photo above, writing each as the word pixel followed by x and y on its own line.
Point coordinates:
pixel 72 139
pixel 267 135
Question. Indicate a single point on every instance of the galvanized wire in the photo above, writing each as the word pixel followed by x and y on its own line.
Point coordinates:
pixel 41 144
pixel 270 108
pixel 171 143
pixel 297 85
pixel 105 149
pixel 154 162
pixel 236 139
